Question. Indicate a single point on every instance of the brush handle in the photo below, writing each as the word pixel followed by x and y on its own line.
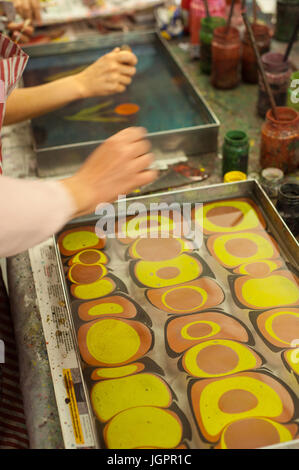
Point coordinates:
pixel 291 43
pixel 260 65
pixel 207 8
pixel 231 12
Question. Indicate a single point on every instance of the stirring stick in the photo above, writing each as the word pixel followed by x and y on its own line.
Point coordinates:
pixel 207 8
pixel 260 65
pixel 291 43
pixel 25 25
pixel 254 6
pixel 231 12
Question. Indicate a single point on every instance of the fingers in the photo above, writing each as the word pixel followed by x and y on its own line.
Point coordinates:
pixel 130 135
pixel 142 163
pixel 28 30
pixel 126 57
pixel 126 70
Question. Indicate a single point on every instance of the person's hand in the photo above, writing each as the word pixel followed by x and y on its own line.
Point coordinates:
pixel 117 167
pixel 28 9
pixel 19 32
pixel 109 75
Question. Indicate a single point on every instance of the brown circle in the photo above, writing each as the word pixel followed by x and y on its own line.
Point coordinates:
pixel 225 216
pixel 86 274
pixel 199 330
pixel 169 272
pixel 89 257
pixel 241 247
pixel 250 434
pixel 158 249
pixel 217 359
pixel 183 299
pixel 258 269
pixel 286 327
pixel 237 401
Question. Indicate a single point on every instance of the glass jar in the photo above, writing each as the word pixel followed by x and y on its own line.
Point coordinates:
pixel 280 140
pixel 271 180
pixel 226 58
pixel 293 91
pixel 288 206
pixel 249 62
pixel 278 75
pixel 185 7
pixel 235 152
pixel 287 14
pixel 206 36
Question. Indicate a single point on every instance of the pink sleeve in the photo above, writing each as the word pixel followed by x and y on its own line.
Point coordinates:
pixel 30 212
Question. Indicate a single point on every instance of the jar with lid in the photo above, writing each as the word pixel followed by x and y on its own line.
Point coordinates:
pixel 235 152
pixel 271 180
pixel 287 14
pixel 280 140
pixel 249 63
pixel 226 58
pixel 278 75
pixel 288 206
pixel 206 36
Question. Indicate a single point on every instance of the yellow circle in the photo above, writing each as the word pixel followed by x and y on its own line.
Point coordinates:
pixel 102 260
pixel 116 372
pixel 112 341
pixel 131 229
pixel 250 218
pixel 202 292
pixel 79 240
pixel 143 427
pixel 188 270
pixel 265 249
pixel 247 360
pixel 272 291
pixel 94 290
pixel 106 308
pixel 215 329
pixel 269 322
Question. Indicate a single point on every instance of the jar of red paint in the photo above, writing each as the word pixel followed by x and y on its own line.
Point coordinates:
pixel 278 73
pixel 226 58
pixel 280 140
pixel 249 63
pixel 198 12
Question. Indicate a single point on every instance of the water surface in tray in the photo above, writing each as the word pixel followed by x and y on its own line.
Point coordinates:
pixel 164 102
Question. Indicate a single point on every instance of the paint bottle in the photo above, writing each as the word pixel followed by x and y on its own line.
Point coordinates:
pixel 249 62
pixel 197 13
pixel 293 91
pixel 288 206
pixel 287 14
pixel 278 75
pixel 280 140
pixel 185 7
pixel 271 180
pixel 206 36
pixel 235 152
pixel 226 58
pixel 234 176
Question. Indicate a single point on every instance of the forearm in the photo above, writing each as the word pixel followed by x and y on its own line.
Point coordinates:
pixel 28 103
pixel 30 212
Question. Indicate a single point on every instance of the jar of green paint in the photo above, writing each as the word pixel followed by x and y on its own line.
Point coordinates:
pixel 287 14
pixel 235 152
pixel 208 25
pixel 293 92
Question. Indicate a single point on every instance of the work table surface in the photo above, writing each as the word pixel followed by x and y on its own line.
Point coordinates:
pixel 235 109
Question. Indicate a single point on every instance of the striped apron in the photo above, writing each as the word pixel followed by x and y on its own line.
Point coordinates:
pixel 13 434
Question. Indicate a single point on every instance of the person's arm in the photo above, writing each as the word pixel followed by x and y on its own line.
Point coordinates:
pixel 110 74
pixel 31 211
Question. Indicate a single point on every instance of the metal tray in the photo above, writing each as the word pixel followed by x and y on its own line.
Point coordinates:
pixel 177 117
pixel 289 249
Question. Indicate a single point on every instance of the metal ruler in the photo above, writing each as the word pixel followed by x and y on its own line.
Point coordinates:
pixel 75 420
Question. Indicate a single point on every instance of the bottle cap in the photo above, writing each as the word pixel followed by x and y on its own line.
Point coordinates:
pixel 233 176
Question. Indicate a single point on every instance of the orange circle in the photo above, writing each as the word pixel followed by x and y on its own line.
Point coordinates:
pixel 126 109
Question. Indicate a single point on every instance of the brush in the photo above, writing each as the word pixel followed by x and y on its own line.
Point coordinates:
pixel 260 64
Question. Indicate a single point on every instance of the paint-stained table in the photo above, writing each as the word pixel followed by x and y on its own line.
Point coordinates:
pixel 235 110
